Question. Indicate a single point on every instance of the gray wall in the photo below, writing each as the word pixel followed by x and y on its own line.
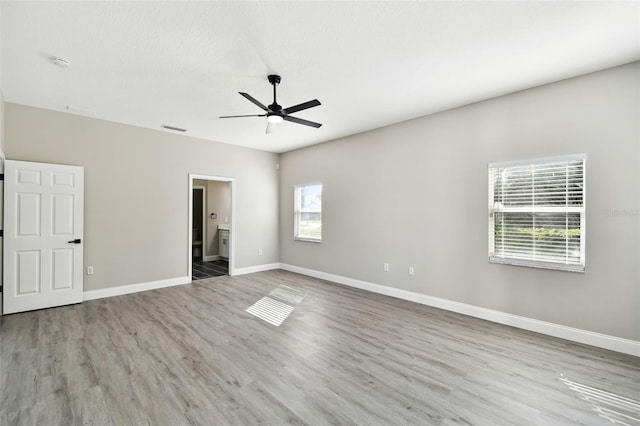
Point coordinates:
pixel 218 195
pixel 137 191
pixel 416 194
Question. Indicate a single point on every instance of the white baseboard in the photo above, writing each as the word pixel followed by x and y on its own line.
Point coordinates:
pixel 211 258
pixel 134 288
pixel 152 285
pixel 604 341
pixel 257 268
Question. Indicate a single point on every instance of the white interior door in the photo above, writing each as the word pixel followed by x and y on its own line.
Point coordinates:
pixel 43 232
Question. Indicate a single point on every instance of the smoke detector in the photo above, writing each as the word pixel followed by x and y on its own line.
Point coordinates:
pixel 61 62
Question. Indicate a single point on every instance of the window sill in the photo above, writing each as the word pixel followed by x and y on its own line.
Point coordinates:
pixel 537 264
pixel 308 240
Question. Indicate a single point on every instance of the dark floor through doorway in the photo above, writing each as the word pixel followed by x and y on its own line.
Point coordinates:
pixel 214 268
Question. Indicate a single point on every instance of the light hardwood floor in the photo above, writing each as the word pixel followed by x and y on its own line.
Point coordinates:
pixel 192 355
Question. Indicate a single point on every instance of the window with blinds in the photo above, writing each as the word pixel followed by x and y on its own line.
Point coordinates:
pixel 308 212
pixel 537 213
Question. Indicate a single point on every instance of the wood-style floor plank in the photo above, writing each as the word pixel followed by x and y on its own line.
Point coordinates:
pixel 192 355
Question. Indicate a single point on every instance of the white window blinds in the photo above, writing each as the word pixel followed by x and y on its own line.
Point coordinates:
pixel 537 213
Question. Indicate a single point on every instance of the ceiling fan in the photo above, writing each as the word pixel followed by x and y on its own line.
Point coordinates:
pixel 275 113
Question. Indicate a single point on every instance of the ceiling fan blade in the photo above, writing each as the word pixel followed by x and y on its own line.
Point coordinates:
pixel 301 121
pixel 252 99
pixel 300 107
pixel 236 116
pixel 270 127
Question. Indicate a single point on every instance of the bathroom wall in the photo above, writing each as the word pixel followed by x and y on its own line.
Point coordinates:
pixel 218 201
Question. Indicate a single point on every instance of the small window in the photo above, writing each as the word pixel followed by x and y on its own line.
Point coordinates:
pixel 308 212
pixel 537 213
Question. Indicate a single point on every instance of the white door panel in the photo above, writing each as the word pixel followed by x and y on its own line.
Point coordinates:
pixel 62 265
pixel 29 214
pixel 27 272
pixel 43 217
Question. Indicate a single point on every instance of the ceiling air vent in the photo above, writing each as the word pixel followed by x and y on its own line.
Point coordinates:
pixel 177 129
pixel 80 111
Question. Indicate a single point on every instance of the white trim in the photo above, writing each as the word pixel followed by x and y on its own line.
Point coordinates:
pixel 211 258
pixel 558 158
pixel 308 240
pixel 135 288
pixel 536 264
pixel 604 341
pixel 256 268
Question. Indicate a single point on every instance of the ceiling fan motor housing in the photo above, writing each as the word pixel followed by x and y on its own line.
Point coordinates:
pixel 274 79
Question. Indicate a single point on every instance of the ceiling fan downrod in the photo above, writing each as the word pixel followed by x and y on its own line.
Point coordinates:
pixel 274 80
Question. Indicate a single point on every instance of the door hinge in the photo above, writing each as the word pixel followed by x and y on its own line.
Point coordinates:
pixel 1 176
pixel 1 233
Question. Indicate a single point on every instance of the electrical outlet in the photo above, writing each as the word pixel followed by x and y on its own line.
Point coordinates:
pixel 385 267
pixel 411 270
pixel 259 252
pixel 89 270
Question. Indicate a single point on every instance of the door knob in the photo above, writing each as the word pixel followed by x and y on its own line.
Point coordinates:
pixel 76 241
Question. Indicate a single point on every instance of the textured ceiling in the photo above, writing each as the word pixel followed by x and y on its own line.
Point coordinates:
pixel 371 64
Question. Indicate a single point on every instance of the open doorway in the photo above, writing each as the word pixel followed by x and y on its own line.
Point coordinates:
pixel 210 226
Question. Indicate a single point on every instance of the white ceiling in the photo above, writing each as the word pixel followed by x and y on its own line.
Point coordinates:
pixel 371 64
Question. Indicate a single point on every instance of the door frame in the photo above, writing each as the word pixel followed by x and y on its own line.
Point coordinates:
pixel 204 219
pixel 232 221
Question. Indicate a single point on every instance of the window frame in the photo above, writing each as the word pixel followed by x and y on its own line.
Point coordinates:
pixel 297 212
pixel 581 210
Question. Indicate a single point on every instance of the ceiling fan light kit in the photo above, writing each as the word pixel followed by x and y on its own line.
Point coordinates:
pixel 275 113
pixel 274 119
